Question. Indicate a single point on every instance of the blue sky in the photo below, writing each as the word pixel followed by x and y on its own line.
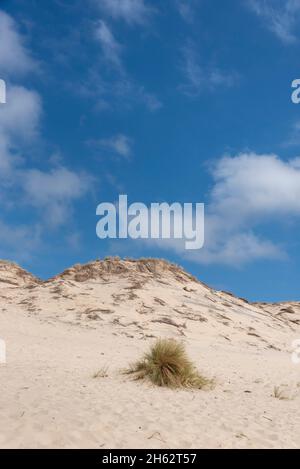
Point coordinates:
pixel 174 100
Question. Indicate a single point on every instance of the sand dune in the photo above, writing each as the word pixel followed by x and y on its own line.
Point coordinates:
pixel 59 332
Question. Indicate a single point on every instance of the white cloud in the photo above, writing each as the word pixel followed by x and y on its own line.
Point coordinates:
pixel 131 11
pixel 186 9
pixel 234 250
pixel 149 99
pixel 7 159
pixel 20 116
pixel 120 90
pixel 15 59
pixel 254 185
pixel 121 87
pixel 54 191
pixel 249 192
pixel 110 47
pixel 241 248
pixel 120 144
pixel 280 17
pixel 200 77
pixel 19 124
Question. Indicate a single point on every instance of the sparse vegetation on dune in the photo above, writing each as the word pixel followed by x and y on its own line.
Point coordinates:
pixel 102 373
pixel 167 364
pixel 116 266
pixel 279 393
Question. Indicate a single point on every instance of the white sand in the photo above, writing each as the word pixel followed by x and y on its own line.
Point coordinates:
pixel 59 333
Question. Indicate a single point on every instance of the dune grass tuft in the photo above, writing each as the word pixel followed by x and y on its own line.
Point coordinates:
pixel 278 393
pixel 102 373
pixel 167 364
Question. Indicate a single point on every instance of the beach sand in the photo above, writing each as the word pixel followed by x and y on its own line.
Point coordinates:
pixel 106 315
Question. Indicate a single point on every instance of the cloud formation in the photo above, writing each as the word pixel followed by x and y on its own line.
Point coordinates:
pixel 116 84
pixel 51 191
pixel 19 125
pixel 200 77
pixel 120 144
pixel 110 47
pixel 186 9
pixel 280 17
pixel 131 11
pixel 15 57
pixel 249 192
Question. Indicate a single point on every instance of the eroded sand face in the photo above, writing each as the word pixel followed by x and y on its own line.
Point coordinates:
pixel 106 314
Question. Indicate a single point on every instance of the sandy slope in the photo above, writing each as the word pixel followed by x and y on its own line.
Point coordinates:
pixel 59 332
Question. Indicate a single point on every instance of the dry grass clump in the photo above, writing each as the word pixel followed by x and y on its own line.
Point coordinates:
pixel 116 266
pixel 167 364
pixel 279 393
pixel 102 373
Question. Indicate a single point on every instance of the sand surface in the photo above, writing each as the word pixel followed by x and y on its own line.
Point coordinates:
pixel 106 314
